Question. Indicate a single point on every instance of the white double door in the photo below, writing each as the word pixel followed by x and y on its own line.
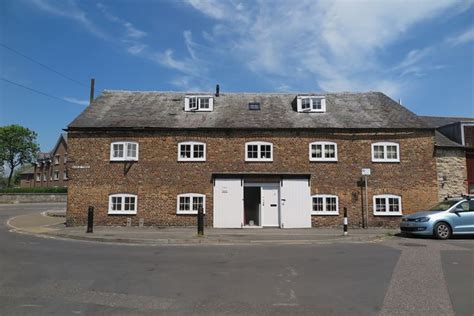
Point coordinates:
pixel 270 206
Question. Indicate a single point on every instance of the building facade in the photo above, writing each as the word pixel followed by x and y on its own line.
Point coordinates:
pixel 454 154
pixel 265 160
pixel 50 169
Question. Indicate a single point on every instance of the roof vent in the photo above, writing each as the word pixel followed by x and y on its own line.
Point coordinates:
pixel 254 106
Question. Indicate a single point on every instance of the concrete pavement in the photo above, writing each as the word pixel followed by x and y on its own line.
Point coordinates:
pixel 53 226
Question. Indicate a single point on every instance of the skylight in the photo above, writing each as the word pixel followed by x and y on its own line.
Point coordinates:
pixel 254 106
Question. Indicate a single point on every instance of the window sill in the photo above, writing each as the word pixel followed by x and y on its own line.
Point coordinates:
pixel 122 213
pixel 324 214
pixel 123 160
pixel 258 160
pixel 387 161
pixel 389 214
pixel 188 213
pixel 191 160
pixel 322 160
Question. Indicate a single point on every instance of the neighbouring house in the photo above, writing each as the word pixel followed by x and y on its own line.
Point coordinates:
pixel 248 159
pixel 27 177
pixel 454 154
pixel 50 169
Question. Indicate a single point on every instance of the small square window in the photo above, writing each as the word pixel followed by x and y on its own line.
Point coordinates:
pixel 118 150
pixel 204 103
pixel 254 106
pixel 252 151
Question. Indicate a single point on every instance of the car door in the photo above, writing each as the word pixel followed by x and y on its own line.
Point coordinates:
pixel 463 220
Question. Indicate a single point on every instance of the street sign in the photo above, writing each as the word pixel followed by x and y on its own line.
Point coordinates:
pixel 366 171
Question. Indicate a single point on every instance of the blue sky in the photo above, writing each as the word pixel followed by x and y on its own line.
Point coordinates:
pixel 421 52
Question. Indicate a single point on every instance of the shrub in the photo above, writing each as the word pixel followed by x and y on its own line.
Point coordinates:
pixel 34 190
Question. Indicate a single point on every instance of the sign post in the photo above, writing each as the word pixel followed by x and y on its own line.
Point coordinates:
pixel 366 172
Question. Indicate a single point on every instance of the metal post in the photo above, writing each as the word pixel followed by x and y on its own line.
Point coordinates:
pixel 366 205
pixel 200 221
pixel 90 219
pixel 345 221
pixel 91 98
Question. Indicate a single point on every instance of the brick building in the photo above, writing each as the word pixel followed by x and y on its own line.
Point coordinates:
pixel 50 169
pixel 281 160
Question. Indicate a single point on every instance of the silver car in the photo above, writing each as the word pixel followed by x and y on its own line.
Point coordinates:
pixel 447 218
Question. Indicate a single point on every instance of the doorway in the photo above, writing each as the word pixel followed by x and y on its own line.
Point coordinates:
pixel 252 200
pixel 261 205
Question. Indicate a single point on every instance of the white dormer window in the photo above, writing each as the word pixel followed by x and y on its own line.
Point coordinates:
pixel 124 151
pixel 311 103
pixel 199 103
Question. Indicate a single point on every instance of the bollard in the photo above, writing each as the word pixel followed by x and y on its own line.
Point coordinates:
pixel 90 219
pixel 200 221
pixel 345 221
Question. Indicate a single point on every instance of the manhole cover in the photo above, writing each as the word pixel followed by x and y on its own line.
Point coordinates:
pixel 412 245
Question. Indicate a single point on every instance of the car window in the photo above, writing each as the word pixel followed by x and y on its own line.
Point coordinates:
pixel 464 206
pixel 471 205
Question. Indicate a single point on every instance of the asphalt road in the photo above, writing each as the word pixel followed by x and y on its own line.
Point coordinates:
pixel 42 276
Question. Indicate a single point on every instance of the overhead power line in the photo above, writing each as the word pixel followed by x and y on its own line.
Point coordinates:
pixel 43 65
pixel 37 91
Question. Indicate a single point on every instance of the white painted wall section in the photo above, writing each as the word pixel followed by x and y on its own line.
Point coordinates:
pixel 295 203
pixel 228 203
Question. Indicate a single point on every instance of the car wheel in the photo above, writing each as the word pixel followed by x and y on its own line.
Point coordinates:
pixel 442 231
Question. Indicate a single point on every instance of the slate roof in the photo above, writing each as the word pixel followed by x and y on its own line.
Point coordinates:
pixel 438 121
pixel 443 141
pixel 29 170
pixel 126 109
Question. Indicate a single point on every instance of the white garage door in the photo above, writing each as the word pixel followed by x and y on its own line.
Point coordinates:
pixel 295 203
pixel 228 203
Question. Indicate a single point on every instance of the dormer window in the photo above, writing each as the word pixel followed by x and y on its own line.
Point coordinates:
pixel 199 103
pixel 311 104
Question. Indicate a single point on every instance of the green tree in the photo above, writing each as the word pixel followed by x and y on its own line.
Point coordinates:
pixel 18 146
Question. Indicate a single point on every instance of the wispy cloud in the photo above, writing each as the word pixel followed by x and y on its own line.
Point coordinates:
pixel 465 37
pixel 69 9
pixel 335 49
pixel 130 30
pixel 76 101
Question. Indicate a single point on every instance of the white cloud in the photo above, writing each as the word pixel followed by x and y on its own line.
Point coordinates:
pixel 463 38
pixel 130 30
pixel 76 101
pixel 136 49
pixel 334 44
pixel 69 9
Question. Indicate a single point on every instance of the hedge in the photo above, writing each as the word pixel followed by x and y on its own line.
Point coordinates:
pixel 34 190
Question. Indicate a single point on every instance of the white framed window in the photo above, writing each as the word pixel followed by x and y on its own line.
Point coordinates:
pixel 124 151
pixel 38 177
pixel 199 103
pixel 385 152
pixel 65 175
pixel 387 205
pixel 56 159
pixel 125 204
pixel 191 151
pixel 325 204
pixel 189 203
pixel 323 151
pixel 45 177
pixel 311 103
pixel 258 151
pixel 65 159
pixel 56 175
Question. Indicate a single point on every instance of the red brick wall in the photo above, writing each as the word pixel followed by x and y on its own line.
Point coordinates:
pixel 157 178
pixel 49 168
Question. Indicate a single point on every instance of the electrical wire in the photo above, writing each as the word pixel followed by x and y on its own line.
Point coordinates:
pixel 37 91
pixel 43 65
